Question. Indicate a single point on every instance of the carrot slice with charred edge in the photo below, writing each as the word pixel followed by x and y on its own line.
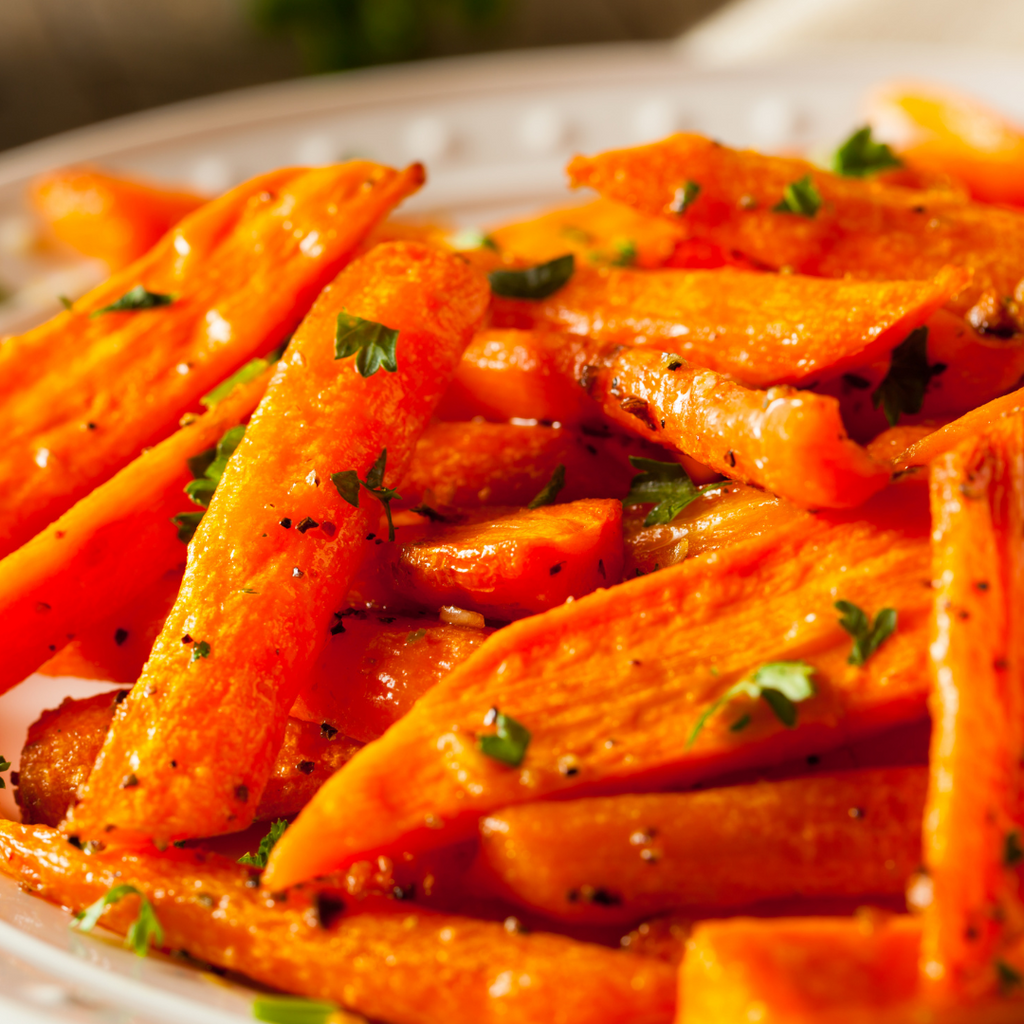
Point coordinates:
pixel 973 820
pixel 863 228
pixel 627 857
pixel 791 442
pixel 613 685
pixel 108 217
pixel 82 393
pixel 109 548
pixel 821 970
pixel 376 957
pixel 763 329
pixel 201 727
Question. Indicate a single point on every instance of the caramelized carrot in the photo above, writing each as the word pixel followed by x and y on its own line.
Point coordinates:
pixel 201 727
pixel 82 393
pixel 627 857
pixel 385 959
pixel 111 218
pixel 610 687
pixel 763 329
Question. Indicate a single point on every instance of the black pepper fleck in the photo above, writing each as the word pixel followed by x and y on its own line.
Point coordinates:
pixel 120 635
pixel 286 523
pixel 306 767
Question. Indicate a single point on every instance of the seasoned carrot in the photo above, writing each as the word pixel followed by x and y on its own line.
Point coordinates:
pixel 763 329
pixel 109 549
pixel 788 441
pixel 863 228
pixel 82 393
pixel 626 857
pixel 974 820
pixel 377 957
pixel 201 727
pixel 112 218
pixel 610 687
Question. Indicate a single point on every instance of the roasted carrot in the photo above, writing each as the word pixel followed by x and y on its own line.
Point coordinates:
pixel 763 329
pixel 788 441
pixel 862 228
pixel 611 687
pixel 208 714
pixel 82 393
pixel 111 218
pixel 627 857
pixel 974 820
pixel 385 959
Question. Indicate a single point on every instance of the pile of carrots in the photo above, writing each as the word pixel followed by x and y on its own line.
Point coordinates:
pixel 617 620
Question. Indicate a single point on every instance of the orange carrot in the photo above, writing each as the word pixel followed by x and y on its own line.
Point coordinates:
pixel 200 729
pixel 82 393
pixel 763 329
pixel 112 218
pixel 610 687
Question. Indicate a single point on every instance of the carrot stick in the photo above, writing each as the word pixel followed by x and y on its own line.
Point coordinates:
pixel 203 724
pixel 626 857
pixel 82 393
pixel 610 695
pixel 388 960
pixel 763 329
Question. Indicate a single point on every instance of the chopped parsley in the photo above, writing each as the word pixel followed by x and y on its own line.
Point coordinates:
pixel 418 634
pixel 5 766
pixel 292 1010
pixel 625 252
pixel 262 854
pixel 250 371
pixel 208 467
pixel 143 931
pixel 200 650
pixel 867 636
pixel 550 490
pixel 62 299
pixel 187 523
pixel 509 741
pixel 903 388
pixel 135 299
pixel 347 482
pixel 780 684
pixel 665 484
pixel 371 343
pixel 860 155
pixel 800 198
pixel 533 282
pixel 1009 977
pixel 684 197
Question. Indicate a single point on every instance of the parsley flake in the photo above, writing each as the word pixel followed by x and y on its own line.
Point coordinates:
pixel 208 467
pixel 250 371
pixel 1009 977
pixel 134 299
pixel 347 482
pixel 684 197
pixel 200 650
pixel 665 484
pixel 291 1010
pixel 508 743
pixel 625 252
pixel 550 490
pixel 780 684
pixel 867 636
pixel 533 282
pixel 418 634
pixel 262 854
pixel 903 388
pixel 800 198
pixel 860 155
pixel 372 344
pixel 5 765
pixel 143 931
pixel 187 523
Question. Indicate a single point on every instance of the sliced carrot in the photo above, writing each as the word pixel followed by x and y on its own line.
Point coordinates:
pixel 82 393
pixel 385 959
pixel 763 329
pixel 112 218
pixel 627 857
pixel 610 687
pixel 863 228
pixel 788 441
pixel 200 730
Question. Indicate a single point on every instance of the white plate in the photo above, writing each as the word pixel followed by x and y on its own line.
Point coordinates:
pixel 495 133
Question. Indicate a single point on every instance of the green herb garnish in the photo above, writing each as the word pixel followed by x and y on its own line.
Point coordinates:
pixel 135 299
pixel 212 463
pixel 62 299
pixel 550 490
pixel 684 197
pixel 801 198
pixel 860 155
pixel 534 282
pixel 509 742
pixel 867 636
pixel 5 766
pixel 625 252
pixel 903 388
pixel 665 484
pixel 187 523
pixel 418 634
pixel 372 344
pixel 290 1010
pixel 780 684
pixel 262 854
pixel 143 931
pixel 250 371
pixel 1009 977
pixel 348 483
pixel 200 650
